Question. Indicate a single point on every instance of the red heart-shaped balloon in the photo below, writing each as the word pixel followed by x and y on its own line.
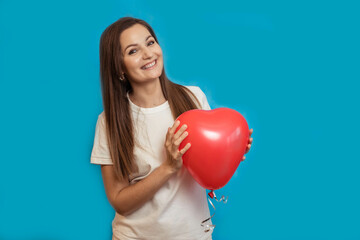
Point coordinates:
pixel 218 140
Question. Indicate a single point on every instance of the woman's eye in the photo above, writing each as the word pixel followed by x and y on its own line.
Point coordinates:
pixel 132 51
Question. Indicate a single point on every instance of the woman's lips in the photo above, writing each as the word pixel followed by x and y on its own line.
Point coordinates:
pixel 143 67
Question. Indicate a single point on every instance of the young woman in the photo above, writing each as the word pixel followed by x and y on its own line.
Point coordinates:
pixel 135 140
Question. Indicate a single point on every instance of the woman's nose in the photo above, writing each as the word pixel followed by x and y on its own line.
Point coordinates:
pixel 147 53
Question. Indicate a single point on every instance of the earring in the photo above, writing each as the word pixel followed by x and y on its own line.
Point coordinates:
pixel 122 77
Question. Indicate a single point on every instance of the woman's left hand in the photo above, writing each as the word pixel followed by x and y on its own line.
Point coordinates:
pixel 249 144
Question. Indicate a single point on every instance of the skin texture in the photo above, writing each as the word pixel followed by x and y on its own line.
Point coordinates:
pixel 145 83
pixel 126 198
pixel 145 51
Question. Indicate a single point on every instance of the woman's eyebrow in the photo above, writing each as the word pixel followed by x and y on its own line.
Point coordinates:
pixel 137 44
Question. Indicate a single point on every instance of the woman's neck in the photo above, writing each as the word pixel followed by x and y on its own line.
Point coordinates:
pixel 147 96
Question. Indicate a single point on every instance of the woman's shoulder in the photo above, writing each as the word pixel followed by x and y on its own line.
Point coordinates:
pixel 192 88
pixel 196 90
pixel 200 95
pixel 101 118
pixel 101 115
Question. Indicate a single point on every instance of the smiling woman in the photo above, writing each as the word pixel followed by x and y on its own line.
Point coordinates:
pixel 135 140
pixel 143 58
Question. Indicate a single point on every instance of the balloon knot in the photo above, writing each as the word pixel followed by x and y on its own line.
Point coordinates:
pixel 211 194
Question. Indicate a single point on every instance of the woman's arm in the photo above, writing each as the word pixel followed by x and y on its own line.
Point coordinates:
pixel 126 198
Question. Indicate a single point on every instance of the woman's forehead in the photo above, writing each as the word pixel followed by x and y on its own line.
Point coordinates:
pixel 136 34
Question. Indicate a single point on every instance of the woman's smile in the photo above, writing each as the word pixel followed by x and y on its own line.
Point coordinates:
pixel 143 58
pixel 149 66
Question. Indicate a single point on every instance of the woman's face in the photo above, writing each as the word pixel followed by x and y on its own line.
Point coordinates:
pixel 140 53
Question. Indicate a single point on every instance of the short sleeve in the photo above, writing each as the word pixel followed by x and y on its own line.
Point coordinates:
pixel 100 153
pixel 204 103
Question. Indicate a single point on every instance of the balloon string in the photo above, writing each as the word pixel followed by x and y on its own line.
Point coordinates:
pixel 223 199
pixel 209 227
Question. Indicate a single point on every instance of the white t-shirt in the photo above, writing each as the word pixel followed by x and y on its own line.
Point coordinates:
pixel 180 205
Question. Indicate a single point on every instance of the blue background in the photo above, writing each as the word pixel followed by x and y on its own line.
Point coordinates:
pixel 290 67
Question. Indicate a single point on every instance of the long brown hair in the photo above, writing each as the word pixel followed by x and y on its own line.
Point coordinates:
pixel 116 105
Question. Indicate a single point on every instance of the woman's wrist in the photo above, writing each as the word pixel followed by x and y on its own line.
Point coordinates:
pixel 167 169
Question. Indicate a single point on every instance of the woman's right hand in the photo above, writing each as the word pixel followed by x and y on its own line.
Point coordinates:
pixel 172 143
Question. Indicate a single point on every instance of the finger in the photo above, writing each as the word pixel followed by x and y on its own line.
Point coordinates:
pixel 169 137
pixel 183 151
pixel 243 158
pixel 248 148
pixel 250 132
pixel 167 140
pixel 250 140
pixel 180 131
pixel 173 128
pixel 181 138
pixel 176 155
